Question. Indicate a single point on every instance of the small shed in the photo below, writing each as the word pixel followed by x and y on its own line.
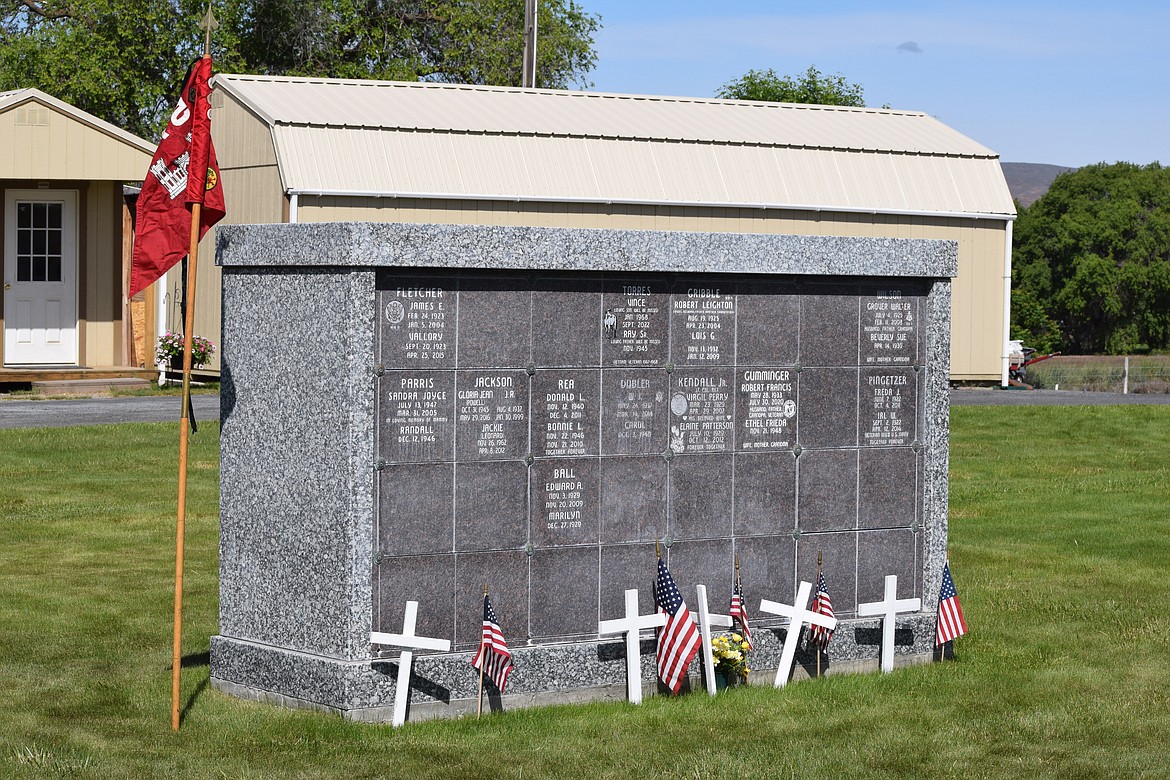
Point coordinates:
pixel 67 235
pixel 318 150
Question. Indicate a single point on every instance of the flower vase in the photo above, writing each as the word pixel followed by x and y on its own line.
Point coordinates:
pixel 722 680
pixel 177 363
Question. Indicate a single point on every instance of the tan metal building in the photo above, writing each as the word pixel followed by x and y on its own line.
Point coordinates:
pixel 315 150
pixel 66 237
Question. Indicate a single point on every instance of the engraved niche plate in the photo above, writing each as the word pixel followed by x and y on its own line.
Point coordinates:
pixel 889 329
pixel 491 414
pixel 565 497
pixel 889 407
pixel 765 409
pixel 416 316
pixel 702 327
pixel 565 412
pixel 417 409
pixel 634 414
pixel 635 323
pixel 702 412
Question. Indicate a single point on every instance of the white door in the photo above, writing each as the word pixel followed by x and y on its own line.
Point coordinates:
pixel 40 277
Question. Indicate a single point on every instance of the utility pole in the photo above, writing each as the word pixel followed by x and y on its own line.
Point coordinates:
pixel 528 78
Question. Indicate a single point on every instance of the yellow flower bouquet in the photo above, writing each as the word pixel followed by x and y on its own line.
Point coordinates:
pixel 730 653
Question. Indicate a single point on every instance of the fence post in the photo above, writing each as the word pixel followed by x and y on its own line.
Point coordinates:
pixel 1125 378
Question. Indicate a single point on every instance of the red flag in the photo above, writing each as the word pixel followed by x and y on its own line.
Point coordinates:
pixel 183 171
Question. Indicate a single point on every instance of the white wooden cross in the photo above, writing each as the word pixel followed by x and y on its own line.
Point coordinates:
pixel 888 608
pixel 408 640
pixel 631 625
pixel 797 616
pixel 705 620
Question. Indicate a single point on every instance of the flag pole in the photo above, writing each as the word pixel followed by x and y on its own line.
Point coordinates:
pixel 482 664
pixel 818 644
pixel 184 429
pixel 739 590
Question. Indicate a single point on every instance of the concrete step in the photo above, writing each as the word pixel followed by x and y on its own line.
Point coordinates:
pixel 88 386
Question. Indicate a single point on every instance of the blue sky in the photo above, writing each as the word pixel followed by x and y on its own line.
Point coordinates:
pixel 1068 83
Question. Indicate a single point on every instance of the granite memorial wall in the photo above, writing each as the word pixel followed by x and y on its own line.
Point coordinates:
pixel 412 411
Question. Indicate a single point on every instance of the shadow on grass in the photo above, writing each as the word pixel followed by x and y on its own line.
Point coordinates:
pixel 195 694
pixel 193 661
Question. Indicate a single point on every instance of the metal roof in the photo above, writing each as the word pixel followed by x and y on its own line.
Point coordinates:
pixel 47 139
pixel 17 97
pixel 458 141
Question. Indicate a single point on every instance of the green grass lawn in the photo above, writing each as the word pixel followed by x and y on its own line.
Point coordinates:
pixel 1060 545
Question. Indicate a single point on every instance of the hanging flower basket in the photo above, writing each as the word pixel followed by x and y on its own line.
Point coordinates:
pixel 170 351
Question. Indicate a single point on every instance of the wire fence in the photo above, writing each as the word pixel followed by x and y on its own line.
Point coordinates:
pixel 1110 374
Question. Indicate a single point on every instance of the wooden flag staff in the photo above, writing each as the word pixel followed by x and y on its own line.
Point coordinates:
pixel 482 664
pixel 184 426
pixel 818 645
pixel 739 587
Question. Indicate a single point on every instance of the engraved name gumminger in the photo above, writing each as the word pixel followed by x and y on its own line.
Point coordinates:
pixel 767 423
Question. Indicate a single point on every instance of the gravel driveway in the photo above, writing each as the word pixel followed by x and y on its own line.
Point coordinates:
pixel 96 411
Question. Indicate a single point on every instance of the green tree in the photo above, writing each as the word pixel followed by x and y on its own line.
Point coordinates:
pixel 460 41
pixel 121 60
pixel 1091 262
pixel 812 86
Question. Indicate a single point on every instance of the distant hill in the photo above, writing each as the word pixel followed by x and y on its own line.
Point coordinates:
pixel 1028 181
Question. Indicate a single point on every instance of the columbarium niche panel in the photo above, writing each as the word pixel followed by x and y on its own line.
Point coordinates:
pixel 553 425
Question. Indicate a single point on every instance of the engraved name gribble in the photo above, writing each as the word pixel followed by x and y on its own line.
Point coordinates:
pixel 703 314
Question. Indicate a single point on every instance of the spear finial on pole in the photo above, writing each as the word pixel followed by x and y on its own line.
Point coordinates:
pixel 207 24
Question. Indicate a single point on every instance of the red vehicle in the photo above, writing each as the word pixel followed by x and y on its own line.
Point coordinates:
pixel 1018 361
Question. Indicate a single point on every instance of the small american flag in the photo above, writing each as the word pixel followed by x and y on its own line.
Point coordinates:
pixel 739 611
pixel 678 640
pixel 950 614
pixel 822 605
pixel 493 658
